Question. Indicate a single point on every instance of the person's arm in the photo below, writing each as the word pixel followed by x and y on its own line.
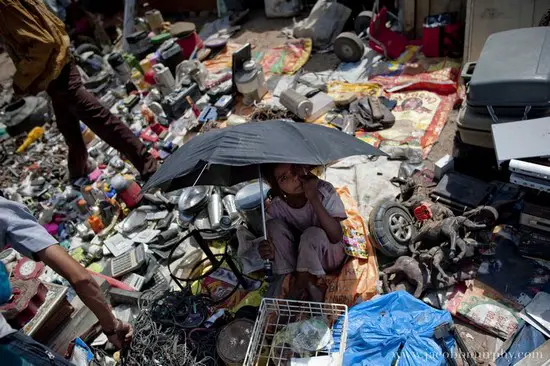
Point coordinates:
pixel 329 224
pixel 19 228
pixel 88 291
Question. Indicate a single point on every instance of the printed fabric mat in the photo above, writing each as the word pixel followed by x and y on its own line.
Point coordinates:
pixel 286 58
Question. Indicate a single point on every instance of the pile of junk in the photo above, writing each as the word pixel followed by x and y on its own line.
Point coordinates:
pixel 471 235
pixel 452 246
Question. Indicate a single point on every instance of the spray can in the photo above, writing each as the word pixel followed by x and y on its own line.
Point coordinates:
pixel 164 79
pixel 127 189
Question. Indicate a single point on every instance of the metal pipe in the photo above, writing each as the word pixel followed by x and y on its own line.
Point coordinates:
pixel 268 266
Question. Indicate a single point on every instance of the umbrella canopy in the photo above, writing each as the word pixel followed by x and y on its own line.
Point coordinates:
pixel 231 155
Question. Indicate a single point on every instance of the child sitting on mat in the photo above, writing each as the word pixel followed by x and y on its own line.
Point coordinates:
pixel 304 230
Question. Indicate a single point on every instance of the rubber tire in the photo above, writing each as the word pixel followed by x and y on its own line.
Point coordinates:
pixel 85 47
pixel 545 20
pixel 362 21
pixel 488 215
pixel 379 228
pixel 349 41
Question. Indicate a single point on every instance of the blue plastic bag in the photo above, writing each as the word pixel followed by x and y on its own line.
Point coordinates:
pixel 391 326
pixel 5 286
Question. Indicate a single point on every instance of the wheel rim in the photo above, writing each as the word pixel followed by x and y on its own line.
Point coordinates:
pixel 400 227
pixel 347 51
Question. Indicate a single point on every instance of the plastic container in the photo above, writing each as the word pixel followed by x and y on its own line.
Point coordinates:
pixel 127 189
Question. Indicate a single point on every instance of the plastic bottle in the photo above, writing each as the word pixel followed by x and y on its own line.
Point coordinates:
pixel 33 135
pixel 95 220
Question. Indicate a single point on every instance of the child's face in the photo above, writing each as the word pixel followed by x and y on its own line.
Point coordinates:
pixel 287 179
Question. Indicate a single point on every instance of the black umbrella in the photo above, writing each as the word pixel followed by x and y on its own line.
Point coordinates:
pixel 231 155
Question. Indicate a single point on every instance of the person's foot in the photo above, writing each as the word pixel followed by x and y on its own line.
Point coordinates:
pixel 78 183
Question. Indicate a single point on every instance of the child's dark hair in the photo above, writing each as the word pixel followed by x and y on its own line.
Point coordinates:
pixel 268 174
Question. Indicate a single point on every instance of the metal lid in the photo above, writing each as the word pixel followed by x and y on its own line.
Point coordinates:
pixel 192 197
pixel 249 65
pixel 182 29
pixel 249 196
pixel 233 340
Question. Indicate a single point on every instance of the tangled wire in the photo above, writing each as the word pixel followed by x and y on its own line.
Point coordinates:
pixel 163 334
pixel 265 112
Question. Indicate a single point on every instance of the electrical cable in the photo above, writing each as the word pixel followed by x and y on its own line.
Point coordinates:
pixel 160 331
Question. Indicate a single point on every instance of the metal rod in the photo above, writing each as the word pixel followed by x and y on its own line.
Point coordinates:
pixel 262 203
pixel 268 266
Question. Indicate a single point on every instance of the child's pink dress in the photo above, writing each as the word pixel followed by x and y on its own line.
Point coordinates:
pixel 300 242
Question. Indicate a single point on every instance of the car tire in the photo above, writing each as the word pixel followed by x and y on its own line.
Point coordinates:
pixel 391 227
pixel 349 47
pixel 86 47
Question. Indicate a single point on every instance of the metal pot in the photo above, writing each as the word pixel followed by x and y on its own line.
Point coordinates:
pixel 248 201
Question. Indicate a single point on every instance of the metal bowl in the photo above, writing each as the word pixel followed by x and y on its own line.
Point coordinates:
pixel 193 199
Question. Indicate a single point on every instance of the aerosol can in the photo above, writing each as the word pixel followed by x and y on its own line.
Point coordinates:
pixel 164 79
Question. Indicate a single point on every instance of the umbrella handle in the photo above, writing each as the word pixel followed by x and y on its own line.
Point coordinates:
pixel 268 266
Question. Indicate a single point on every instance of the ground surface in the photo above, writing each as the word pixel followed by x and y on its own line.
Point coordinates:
pixel 265 33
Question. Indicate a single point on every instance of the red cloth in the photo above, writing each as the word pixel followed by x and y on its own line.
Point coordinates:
pixel 189 43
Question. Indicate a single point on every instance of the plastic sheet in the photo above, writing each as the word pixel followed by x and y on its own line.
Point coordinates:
pixel 394 326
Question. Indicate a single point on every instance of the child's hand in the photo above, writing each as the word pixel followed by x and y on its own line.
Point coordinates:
pixel 266 249
pixel 310 183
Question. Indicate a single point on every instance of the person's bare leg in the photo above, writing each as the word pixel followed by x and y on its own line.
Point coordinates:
pixel 300 285
pixel 316 256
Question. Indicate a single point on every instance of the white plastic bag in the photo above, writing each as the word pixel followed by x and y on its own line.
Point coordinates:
pixel 282 8
pixel 324 23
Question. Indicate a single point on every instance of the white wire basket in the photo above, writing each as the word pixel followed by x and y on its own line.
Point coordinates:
pixel 276 314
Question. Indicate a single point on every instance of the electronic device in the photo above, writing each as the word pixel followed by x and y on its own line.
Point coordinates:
pixel 238 59
pixel 128 262
pixel 134 280
pixel 535 216
pixel 209 113
pixel 119 296
pixel 159 283
pixel 296 103
pixel 321 104
pixel 530 182
pixel 250 82
pixel 131 101
pixel 175 103
pixel 218 91
pixel 224 105
pixel 530 169
pixel 534 243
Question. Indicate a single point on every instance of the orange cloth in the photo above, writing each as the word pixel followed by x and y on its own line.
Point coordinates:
pixel 358 277
pixel 36 42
